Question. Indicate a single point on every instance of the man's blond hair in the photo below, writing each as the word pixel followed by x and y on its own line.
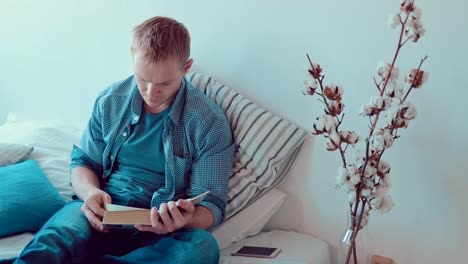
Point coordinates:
pixel 160 38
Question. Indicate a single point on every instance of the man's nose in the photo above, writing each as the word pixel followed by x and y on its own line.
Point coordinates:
pixel 151 89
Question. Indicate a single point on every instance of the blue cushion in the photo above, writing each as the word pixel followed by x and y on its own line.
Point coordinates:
pixel 27 198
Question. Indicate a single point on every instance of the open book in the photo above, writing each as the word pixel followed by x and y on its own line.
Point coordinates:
pixel 118 216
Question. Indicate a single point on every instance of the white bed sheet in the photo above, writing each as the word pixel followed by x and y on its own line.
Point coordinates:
pixel 296 248
pixel 11 246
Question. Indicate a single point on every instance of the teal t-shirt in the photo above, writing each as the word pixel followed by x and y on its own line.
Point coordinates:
pixel 139 165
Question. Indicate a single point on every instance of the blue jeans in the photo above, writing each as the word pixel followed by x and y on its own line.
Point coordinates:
pixel 69 238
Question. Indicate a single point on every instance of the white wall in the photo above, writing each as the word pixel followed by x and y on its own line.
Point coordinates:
pixel 55 56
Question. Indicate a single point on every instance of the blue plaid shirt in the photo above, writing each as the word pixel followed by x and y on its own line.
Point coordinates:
pixel 197 141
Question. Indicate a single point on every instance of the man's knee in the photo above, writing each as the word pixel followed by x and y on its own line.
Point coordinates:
pixel 207 245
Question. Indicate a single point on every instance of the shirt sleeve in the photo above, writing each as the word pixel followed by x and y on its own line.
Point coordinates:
pixel 92 145
pixel 212 166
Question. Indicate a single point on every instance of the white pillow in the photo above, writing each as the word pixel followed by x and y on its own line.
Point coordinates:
pixel 52 142
pixel 266 144
pixel 13 153
pixel 250 220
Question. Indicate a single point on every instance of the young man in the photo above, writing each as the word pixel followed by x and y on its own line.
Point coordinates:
pixel 152 139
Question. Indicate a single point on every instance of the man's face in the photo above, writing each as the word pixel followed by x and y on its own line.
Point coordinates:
pixel 158 82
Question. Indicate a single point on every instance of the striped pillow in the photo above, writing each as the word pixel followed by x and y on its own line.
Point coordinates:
pixel 267 145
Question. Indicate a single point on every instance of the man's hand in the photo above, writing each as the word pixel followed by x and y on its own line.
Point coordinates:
pixel 93 208
pixel 170 217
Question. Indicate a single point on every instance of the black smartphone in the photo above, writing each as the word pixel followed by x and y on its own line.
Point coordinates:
pixel 257 252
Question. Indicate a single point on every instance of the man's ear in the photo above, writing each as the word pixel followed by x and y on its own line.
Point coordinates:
pixel 188 65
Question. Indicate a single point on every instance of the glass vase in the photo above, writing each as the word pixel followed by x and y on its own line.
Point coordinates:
pixel 361 252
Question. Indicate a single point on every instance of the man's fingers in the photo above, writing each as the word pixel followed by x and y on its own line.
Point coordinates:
pixel 96 208
pixel 147 228
pixel 186 206
pixel 94 221
pixel 107 199
pixel 166 217
pixel 154 215
pixel 177 217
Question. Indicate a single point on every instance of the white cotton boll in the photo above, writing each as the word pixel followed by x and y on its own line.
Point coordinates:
pixel 412 34
pixel 395 74
pixel 342 176
pixel 384 167
pixel 344 134
pixel 370 183
pixel 376 101
pixel 366 110
pixel 369 172
pixel 353 138
pixel 330 146
pixel 390 89
pixel 355 179
pixel 376 202
pixel 366 192
pixel 383 139
pixel 334 108
pixel 340 181
pixel 333 92
pixel 408 110
pixel 386 205
pixel 388 138
pixel 380 102
pixel 319 125
pixel 394 20
pixel 391 114
pixel 394 90
pixel 416 78
pixel 414 29
pixel 380 191
pixel 329 123
pixel 401 123
pixel 335 138
pixel 349 186
pixel 349 137
pixel 352 197
pixel 383 69
pixel 399 92
pixel 416 13
pixel 386 181
pixel 425 77
pixel 406 5
pixel 315 71
pixel 352 170
pixel 378 142
pixel 387 103
pixel 384 186
pixel 310 84
pixel 333 142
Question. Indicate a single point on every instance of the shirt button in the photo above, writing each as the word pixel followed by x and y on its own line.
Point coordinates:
pixel 112 157
pixel 124 134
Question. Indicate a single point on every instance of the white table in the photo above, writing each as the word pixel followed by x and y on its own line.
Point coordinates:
pixel 295 248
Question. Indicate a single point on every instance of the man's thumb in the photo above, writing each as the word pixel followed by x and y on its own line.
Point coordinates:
pixel 107 199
